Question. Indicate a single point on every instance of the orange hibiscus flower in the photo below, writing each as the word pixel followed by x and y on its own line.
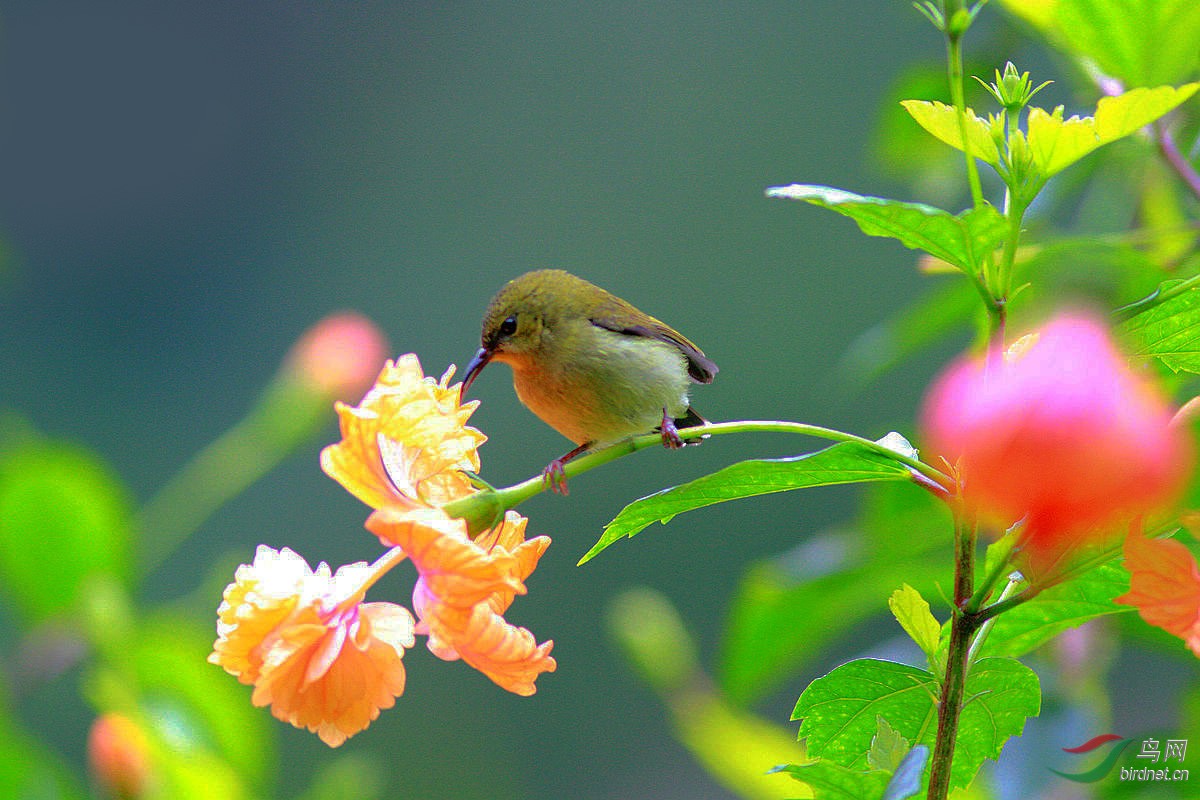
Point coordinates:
pixel 465 587
pixel 316 654
pixel 1164 586
pixel 407 443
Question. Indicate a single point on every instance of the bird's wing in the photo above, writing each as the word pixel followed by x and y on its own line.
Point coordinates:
pixel 701 368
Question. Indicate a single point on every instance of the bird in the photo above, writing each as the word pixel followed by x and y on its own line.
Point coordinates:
pixel 589 364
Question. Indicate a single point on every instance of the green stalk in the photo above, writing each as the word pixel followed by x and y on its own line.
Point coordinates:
pixel 962 628
pixel 484 508
pixel 287 414
pixel 954 61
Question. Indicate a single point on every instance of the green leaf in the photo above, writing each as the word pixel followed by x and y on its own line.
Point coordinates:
pixel 845 462
pixel 1141 42
pixel 829 781
pixel 913 614
pixel 1001 693
pixel 201 704
pixel 961 240
pixel 941 120
pixel 888 748
pixel 839 710
pixel 1056 143
pixel 1168 331
pixel 788 610
pixel 64 517
pixel 1068 605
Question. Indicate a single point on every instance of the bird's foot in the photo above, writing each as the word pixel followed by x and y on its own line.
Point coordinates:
pixel 670 434
pixel 554 476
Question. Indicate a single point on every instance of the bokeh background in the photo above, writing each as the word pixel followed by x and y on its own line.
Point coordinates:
pixel 185 188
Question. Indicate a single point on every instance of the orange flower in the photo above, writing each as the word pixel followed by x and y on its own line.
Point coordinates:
pixel 407 442
pixel 1164 586
pixel 319 656
pixel 464 588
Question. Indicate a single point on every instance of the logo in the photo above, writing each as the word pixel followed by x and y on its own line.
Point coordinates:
pixel 1152 751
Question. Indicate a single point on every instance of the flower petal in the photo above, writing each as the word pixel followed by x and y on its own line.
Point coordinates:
pixel 426 442
pixel 1164 586
pixel 454 568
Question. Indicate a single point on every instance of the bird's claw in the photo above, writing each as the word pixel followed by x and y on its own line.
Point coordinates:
pixel 554 477
pixel 670 434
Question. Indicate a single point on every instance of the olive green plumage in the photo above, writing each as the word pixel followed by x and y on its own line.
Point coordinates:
pixel 589 364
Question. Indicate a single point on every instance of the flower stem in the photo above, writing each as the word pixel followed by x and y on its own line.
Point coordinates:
pixel 287 414
pixel 962 629
pixel 954 64
pixel 519 493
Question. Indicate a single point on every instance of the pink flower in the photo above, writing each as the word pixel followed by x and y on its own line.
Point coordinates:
pixel 1059 432
pixel 339 355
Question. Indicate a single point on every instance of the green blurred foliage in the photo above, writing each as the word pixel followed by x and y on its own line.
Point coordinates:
pixel 64 518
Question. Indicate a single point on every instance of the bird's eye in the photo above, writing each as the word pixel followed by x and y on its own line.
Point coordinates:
pixel 509 326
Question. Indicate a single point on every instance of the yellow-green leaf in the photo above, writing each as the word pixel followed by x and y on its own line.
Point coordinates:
pixel 913 614
pixel 941 120
pixel 1056 143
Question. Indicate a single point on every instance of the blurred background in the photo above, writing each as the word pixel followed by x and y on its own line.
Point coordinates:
pixel 188 187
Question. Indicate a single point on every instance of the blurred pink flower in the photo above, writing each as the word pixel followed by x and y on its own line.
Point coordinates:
pixel 1059 432
pixel 119 756
pixel 340 355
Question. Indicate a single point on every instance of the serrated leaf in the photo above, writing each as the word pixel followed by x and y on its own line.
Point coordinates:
pixel 961 240
pixel 1068 605
pixel 838 710
pixel 1168 331
pixel 912 612
pixel 888 748
pixel 829 781
pixel 845 462
pixel 1001 693
pixel 1056 143
pixel 64 517
pixel 941 120
pixel 906 781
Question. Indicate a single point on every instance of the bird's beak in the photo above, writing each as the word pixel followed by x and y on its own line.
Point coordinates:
pixel 474 367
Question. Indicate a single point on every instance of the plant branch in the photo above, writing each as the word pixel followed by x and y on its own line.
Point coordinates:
pixel 962 630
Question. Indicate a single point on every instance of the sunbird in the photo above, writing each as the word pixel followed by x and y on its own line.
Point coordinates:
pixel 589 364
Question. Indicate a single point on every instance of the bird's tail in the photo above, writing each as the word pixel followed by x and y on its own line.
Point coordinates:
pixel 691 419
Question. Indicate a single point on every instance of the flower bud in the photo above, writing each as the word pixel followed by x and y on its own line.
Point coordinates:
pixel 340 355
pixel 1060 433
pixel 118 756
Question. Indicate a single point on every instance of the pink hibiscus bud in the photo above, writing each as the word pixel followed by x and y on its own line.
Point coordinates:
pixel 1060 433
pixel 340 355
pixel 118 756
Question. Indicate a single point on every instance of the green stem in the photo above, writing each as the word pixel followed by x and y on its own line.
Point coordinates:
pixel 962 629
pixel 954 61
pixel 1014 580
pixel 285 416
pixel 521 492
pixel 1157 297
